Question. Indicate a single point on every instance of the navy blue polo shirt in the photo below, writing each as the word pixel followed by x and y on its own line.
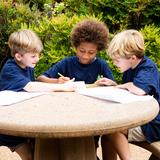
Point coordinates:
pixel 146 76
pixel 71 67
pixel 14 78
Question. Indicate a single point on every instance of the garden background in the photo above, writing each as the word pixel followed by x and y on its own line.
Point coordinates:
pixel 53 21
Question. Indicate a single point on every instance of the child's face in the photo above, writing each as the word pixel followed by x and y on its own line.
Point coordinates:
pixel 86 52
pixel 123 63
pixel 27 59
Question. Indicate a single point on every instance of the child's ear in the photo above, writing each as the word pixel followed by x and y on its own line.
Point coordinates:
pixel 134 57
pixel 18 56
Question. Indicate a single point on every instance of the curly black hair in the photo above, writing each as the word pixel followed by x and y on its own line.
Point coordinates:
pixel 92 31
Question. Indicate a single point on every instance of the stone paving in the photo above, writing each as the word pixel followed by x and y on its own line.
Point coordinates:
pixel 137 154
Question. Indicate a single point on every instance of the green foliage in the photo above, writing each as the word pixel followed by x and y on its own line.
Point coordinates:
pixel 39 4
pixel 152 42
pixel 119 14
pixel 54 20
pixel 11 18
pixel 55 35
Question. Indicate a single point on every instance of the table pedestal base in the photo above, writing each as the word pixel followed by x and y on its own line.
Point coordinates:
pixel 65 149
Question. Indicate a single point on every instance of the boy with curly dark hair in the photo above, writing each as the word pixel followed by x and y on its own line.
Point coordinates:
pixel 87 37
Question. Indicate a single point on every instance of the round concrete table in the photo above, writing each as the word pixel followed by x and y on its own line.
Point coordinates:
pixel 65 123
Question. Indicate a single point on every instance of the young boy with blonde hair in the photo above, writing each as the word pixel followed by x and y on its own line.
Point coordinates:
pixel 141 77
pixel 17 74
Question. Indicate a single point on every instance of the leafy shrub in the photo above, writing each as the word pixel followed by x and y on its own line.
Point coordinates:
pixel 11 17
pixel 55 23
pixel 118 14
pixel 55 35
pixel 152 42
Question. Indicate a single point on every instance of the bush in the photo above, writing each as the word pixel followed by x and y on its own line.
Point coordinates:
pixel 12 15
pixel 152 42
pixel 54 25
pixel 55 35
pixel 119 14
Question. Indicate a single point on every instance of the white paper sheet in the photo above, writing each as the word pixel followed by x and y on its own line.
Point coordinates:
pixel 10 97
pixel 76 84
pixel 113 94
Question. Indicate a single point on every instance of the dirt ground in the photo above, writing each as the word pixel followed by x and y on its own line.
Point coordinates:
pixel 137 153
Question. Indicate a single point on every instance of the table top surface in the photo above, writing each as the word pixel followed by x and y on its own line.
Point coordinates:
pixel 69 114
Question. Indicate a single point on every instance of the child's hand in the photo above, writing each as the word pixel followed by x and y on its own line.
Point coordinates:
pixel 106 82
pixel 63 79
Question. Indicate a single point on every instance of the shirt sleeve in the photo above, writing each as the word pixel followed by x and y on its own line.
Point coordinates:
pixel 55 69
pixel 14 79
pixel 147 78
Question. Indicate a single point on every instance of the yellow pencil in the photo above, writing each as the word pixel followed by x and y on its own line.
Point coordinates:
pixel 71 80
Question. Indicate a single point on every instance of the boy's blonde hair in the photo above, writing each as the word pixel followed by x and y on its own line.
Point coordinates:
pixel 127 43
pixel 24 41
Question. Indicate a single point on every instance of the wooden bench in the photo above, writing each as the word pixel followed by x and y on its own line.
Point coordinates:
pixel 154 148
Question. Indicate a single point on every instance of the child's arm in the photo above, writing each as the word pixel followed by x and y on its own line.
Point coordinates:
pixel 47 87
pixel 43 78
pixel 132 88
pixel 106 82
